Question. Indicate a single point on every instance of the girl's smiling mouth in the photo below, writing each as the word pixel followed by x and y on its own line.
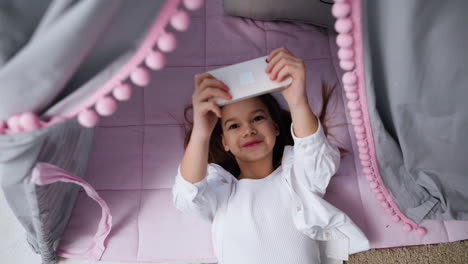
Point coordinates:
pixel 252 143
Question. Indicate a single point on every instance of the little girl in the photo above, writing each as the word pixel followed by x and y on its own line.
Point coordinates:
pixel 262 191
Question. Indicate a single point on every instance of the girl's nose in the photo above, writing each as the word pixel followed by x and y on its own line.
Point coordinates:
pixel 250 130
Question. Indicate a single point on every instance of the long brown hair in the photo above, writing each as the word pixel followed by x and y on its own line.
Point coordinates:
pixel 280 116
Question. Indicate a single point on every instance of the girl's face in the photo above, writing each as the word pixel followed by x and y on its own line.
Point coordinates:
pixel 248 130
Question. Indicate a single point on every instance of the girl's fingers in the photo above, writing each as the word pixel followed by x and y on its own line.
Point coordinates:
pixel 274 60
pixel 285 71
pixel 211 92
pixel 210 106
pixel 199 78
pixel 276 51
pixel 293 66
pixel 280 57
pixel 212 88
pixel 211 82
pixel 277 67
pixel 277 55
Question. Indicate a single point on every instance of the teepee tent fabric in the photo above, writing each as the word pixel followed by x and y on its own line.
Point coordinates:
pixel 62 59
pixel 416 82
pixel 50 49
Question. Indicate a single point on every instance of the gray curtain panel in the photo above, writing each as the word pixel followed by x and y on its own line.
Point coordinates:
pixel 53 54
pixel 43 210
pixel 317 12
pixel 417 85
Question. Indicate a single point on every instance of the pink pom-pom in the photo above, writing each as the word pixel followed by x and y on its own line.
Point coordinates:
pixel 343 25
pixel 345 54
pixel 353 96
pixel 2 126
pixel 88 118
pixel 180 20
pixel 407 227
pixel 396 219
pixel 349 78
pixel 380 197
pixel 370 177
pixel 368 170
pixel 347 65
pixel 167 42
pixel 29 121
pixel 106 106
pixel 366 163
pixel 140 77
pixel 373 184
pixel 360 135
pixel 340 10
pixel 384 204
pixel 421 231
pixel 354 105
pixel 14 124
pixel 359 129
pixel 155 60
pixel 350 87
pixel 363 150
pixel 356 121
pixel 361 143
pixel 122 92
pixel 355 113
pixel 193 4
pixel 389 210
pixel 376 190
pixel 344 40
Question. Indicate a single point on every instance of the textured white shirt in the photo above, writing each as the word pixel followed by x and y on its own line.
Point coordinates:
pixel 279 219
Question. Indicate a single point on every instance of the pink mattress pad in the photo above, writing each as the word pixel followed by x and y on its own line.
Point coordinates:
pixel 136 151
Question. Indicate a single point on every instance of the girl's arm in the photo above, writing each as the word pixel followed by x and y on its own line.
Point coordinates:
pixel 304 121
pixel 195 160
pixel 282 64
pixel 205 115
pixel 194 194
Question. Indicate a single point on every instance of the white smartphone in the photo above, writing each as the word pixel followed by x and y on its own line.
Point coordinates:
pixel 247 79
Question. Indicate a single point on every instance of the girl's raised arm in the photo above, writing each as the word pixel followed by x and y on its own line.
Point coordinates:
pixel 281 64
pixel 205 115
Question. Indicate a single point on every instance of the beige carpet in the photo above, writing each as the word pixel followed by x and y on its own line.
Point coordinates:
pixel 447 253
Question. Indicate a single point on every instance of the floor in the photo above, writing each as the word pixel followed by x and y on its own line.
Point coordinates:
pixel 14 248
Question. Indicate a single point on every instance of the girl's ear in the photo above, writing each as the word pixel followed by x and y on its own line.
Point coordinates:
pixel 277 131
pixel 224 143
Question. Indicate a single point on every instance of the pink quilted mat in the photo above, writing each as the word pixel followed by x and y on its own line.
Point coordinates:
pixel 136 151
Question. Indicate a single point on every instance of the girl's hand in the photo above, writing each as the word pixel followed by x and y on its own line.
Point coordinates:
pixel 281 63
pixel 205 111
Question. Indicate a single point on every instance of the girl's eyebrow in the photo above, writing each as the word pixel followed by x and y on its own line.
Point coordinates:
pixel 258 110
pixel 254 111
pixel 231 119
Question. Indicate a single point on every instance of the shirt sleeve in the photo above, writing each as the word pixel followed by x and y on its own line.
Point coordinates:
pixel 314 160
pixel 309 166
pixel 200 199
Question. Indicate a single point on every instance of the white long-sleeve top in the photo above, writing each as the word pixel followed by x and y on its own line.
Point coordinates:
pixel 279 219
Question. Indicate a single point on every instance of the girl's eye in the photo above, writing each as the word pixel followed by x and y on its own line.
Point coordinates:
pixel 232 126
pixel 258 118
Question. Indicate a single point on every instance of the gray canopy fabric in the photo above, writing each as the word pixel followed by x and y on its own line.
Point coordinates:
pixel 55 53
pixel 43 210
pixel 69 42
pixel 417 84
pixel 52 55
